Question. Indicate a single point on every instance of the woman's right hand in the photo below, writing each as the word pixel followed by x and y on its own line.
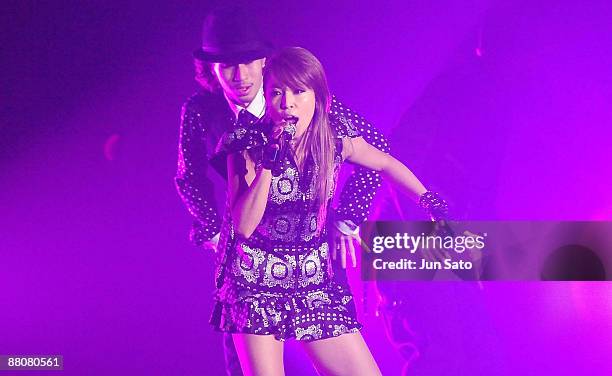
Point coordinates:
pixel 272 151
pixel 277 130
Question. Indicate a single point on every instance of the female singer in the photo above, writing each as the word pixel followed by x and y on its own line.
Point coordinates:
pixel 274 277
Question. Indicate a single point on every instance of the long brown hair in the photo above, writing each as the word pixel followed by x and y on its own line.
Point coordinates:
pixel 297 67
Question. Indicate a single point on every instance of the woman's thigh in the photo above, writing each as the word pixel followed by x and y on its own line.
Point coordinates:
pixel 347 354
pixel 259 354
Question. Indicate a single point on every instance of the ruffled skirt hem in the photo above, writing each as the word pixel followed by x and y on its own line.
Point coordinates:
pixel 323 313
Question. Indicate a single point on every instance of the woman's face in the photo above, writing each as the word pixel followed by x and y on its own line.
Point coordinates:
pixel 285 103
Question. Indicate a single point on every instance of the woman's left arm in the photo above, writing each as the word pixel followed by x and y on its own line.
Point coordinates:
pixel 358 151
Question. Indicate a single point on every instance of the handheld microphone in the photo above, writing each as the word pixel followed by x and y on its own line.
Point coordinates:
pixel 276 150
pixel 287 135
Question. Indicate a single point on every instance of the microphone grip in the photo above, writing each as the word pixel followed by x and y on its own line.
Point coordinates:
pixel 284 142
pixel 274 152
pixel 277 149
pixel 285 139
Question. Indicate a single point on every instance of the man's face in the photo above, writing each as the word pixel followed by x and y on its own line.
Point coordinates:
pixel 240 82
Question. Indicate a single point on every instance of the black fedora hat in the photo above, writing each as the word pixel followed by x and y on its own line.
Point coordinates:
pixel 231 35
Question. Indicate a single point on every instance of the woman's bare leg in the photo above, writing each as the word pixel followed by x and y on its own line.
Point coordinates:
pixel 347 354
pixel 259 354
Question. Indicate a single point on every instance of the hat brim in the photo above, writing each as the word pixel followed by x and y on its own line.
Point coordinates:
pixel 232 57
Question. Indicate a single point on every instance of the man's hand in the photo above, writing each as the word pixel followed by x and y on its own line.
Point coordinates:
pixel 343 243
pixel 211 245
pixel 470 253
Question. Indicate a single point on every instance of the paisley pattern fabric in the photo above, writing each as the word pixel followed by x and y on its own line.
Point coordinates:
pixel 204 119
pixel 279 281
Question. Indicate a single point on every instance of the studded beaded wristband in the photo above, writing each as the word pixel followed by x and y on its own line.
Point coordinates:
pixel 435 206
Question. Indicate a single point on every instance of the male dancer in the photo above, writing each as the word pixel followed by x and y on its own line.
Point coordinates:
pixel 229 68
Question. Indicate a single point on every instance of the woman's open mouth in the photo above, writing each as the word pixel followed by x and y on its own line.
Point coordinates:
pixel 291 119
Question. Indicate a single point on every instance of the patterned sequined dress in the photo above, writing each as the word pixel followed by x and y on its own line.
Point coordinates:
pixel 279 280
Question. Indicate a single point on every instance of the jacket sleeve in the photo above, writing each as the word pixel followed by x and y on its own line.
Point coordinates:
pixel 358 192
pixel 194 187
